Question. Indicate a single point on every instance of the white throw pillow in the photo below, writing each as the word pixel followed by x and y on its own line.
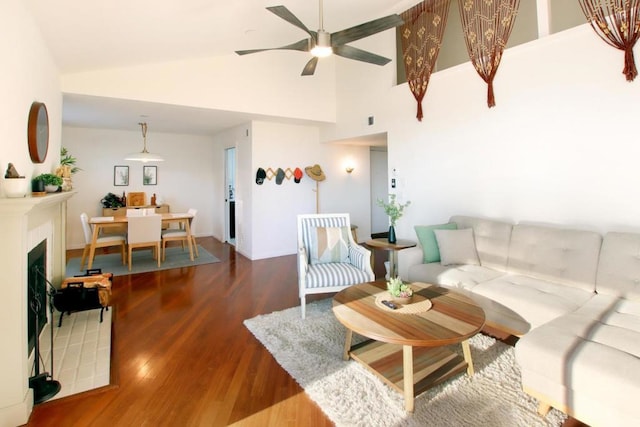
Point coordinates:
pixel 457 246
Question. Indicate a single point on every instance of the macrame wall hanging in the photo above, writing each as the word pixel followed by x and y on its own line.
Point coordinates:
pixel 617 22
pixel 422 33
pixel 486 26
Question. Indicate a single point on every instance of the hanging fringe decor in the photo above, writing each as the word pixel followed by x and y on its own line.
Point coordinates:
pixel 617 22
pixel 421 36
pixel 486 25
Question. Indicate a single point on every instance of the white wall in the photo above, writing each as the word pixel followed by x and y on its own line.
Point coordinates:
pixel 274 207
pixel 188 178
pixel 27 74
pixel 269 85
pixel 561 145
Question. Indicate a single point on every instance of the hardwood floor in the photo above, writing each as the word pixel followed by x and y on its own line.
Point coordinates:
pixel 181 355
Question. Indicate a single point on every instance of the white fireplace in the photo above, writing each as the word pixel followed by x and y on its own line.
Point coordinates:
pixel 24 223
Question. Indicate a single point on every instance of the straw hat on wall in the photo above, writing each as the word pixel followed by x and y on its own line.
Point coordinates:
pixel 315 172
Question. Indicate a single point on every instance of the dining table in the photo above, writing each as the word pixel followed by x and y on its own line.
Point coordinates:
pixel 100 223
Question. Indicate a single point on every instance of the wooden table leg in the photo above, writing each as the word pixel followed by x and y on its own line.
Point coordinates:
pixel 92 249
pixel 187 227
pixel 407 375
pixel 467 357
pixel 347 345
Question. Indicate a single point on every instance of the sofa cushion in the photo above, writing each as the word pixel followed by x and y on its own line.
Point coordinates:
pixel 588 360
pixel 619 265
pixel 537 301
pixel 456 247
pixel 491 237
pixel 329 244
pixel 428 240
pixel 568 257
pixel 457 276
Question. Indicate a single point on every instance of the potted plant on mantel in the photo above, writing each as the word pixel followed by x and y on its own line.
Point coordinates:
pixel 67 168
pixel 51 182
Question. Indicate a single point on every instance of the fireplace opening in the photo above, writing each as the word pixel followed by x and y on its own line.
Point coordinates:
pixel 37 290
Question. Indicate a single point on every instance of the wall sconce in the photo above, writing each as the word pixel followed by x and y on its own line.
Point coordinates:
pixel 349 169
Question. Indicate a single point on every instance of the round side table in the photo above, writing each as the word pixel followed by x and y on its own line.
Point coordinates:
pixel 393 248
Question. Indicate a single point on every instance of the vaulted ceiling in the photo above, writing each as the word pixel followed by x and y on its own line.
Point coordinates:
pixel 87 35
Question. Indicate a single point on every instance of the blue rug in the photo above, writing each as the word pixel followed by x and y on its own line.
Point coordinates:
pixel 142 262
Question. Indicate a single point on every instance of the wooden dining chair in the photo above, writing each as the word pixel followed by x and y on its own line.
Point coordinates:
pixel 101 242
pixel 173 234
pixel 144 231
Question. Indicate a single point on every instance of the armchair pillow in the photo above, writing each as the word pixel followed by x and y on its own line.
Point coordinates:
pixel 457 246
pixel 428 240
pixel 329 244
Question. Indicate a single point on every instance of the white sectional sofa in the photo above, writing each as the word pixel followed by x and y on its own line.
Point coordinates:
pixel 572 296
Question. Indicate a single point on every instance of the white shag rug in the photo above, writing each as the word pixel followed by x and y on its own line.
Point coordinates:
pixel 310 350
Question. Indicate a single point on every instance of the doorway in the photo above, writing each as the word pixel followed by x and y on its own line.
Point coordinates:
pixel 229 198
pixel 379 190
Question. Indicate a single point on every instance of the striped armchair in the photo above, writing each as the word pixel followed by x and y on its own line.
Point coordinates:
pixel 329 260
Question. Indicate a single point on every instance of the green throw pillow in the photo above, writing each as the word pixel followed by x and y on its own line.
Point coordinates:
pixel 428 240
pixel 329 244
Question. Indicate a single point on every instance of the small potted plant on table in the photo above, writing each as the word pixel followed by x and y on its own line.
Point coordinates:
pixel 400 292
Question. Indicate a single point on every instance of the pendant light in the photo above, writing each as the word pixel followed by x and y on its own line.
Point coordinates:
pixel 144 156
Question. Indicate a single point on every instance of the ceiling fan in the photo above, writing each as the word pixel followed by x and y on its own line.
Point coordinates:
pixel 322 43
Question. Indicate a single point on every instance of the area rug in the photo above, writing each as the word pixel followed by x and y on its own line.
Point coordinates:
pixel 81 351
pixel 142 262
pixel 310 350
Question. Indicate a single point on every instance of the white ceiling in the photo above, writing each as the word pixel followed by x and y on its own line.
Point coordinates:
pixel 87 35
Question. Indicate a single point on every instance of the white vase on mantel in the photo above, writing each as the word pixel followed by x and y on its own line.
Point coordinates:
pixel 15 187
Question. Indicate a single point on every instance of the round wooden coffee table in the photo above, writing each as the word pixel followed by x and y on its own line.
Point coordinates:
pixel 409 345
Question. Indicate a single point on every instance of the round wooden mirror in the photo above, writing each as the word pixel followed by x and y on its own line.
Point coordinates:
pixel 38 132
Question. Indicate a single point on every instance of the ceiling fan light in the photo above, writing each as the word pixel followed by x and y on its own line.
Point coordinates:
pixel 321 51
pixel 322 48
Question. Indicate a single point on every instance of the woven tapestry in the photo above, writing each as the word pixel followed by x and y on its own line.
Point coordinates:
pixel 617 22
pixel 422 33
pixel 486 26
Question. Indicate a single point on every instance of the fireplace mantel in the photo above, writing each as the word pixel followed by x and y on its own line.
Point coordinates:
pixel 24 222
pixel 22 205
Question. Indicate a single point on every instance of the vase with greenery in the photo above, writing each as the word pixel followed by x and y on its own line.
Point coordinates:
pixel 400 292
pixel 394 211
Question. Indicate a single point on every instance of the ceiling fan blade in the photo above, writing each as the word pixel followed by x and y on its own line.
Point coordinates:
pixel 365 30
pixel 310 68
pixel 302 45
pixel 351 52
pixel 286 14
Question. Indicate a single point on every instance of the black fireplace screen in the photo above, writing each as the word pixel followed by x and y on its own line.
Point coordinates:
pixel 37 296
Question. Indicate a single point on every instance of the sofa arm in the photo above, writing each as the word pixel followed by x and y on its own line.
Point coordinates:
pixel 407 258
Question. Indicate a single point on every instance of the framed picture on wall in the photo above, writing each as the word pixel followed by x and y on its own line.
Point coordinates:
pixel 120 176
pixel 150 175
